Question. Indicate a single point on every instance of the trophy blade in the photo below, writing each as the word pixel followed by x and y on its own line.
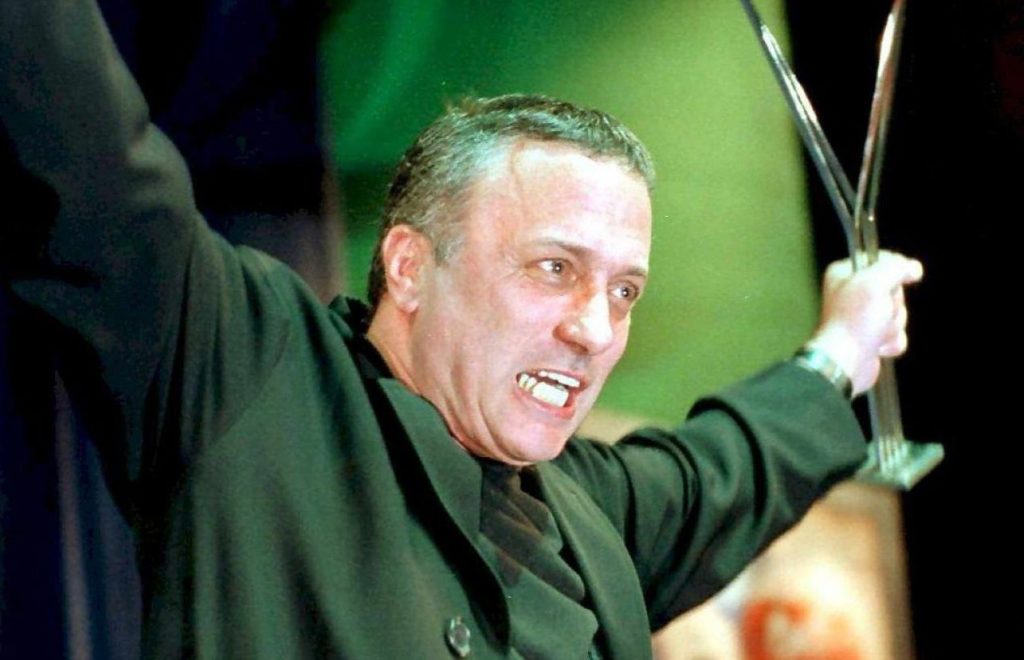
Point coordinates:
pixel 893 461
pixel 830 170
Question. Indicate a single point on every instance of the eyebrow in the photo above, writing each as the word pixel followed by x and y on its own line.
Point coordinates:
pixel 584 252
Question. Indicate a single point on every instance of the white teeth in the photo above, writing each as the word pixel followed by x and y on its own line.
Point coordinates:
pixel 550 394
pixel 526 381
pixel 568 381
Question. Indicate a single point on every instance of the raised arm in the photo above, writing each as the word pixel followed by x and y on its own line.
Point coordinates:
pixel 168 330
pixel 114 193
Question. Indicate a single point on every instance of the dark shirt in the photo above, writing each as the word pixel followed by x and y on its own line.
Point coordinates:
pixel 528 554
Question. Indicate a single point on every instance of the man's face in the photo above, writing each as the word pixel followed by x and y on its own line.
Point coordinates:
pixel 514 336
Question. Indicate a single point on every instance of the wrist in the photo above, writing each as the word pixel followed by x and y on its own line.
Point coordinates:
pixel 816 359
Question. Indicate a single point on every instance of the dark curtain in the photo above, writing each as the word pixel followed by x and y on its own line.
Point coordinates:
pixel 950 195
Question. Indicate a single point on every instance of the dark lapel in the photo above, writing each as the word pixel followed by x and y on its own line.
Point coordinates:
pixel 455 477
pixel 453 473
pixel 603 563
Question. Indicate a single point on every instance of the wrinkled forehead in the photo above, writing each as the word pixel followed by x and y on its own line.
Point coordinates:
pixel 516 154
pixel 557 192
pixel 558 171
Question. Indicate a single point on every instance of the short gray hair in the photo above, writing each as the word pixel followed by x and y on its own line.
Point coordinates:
pixel 430 181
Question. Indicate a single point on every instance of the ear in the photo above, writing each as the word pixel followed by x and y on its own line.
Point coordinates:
pixel 406 253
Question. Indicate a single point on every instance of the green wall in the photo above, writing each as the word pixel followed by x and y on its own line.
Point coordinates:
pixel 732 284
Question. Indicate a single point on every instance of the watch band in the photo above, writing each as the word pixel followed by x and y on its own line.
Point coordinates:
pixel 818 361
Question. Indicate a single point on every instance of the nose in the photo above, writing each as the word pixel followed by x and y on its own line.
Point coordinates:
pixel 588 325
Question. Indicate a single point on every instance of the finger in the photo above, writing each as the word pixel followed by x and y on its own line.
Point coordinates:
pixel 898 303
pixel 891 275
pixel 895 347
pixel 914 272
pixel 901 268
pixel 837 273
pixel 900 316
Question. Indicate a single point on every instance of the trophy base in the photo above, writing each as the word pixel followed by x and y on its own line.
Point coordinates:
pixel 904 468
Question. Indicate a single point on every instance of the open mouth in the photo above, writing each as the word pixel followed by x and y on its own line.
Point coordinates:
pixel 550 387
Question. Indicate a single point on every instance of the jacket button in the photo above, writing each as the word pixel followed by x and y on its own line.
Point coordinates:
pixel 457 634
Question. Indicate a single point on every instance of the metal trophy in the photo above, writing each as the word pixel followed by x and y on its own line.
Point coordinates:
pixel 893 461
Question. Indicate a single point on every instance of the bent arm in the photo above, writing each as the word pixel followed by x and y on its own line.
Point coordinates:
pixel 696 505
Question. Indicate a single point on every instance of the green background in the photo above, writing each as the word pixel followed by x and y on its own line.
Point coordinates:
pixel 732 283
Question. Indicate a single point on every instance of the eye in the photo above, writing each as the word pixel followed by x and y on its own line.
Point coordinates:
pixel 556 272
pixel 626 292
pixel 554 266
pixel 624 296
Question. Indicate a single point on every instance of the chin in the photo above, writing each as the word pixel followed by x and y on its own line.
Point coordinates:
pixel 543 449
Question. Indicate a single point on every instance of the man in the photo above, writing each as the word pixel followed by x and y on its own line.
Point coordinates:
pixel 311 481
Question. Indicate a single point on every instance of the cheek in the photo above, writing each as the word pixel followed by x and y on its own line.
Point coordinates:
pixel 614 353
pixel 514 308
pixel 622 335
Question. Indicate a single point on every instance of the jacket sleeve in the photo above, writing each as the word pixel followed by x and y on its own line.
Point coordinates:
pixel 167 330
pixel 696 505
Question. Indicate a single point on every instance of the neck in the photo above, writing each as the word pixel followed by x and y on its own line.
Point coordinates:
pixel 390 334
